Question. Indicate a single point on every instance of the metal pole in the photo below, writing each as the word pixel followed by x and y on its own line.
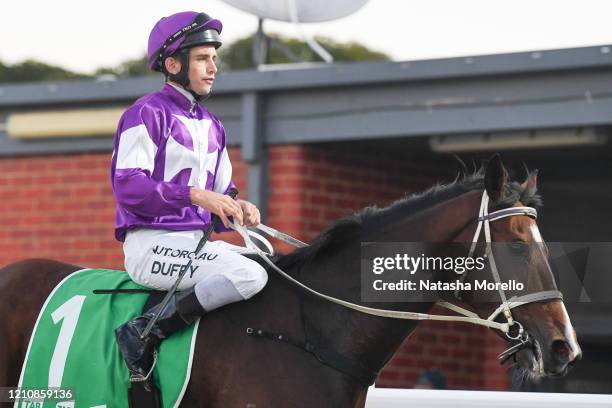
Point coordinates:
pixel 260 46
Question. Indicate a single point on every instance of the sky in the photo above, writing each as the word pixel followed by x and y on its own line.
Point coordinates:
pixel 85 35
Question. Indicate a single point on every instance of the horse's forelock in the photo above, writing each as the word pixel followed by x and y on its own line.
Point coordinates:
pixel 516 192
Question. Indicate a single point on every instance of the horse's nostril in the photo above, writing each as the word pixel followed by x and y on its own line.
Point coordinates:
pixel 561 350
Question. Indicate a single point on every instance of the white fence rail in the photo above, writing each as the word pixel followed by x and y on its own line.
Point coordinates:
pixel 409 398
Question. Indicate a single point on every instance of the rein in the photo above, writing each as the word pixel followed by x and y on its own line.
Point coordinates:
pixel 484 220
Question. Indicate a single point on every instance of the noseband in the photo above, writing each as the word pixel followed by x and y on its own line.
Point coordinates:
pixel 521 337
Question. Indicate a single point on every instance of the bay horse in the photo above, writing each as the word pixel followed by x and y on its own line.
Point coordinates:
pixel 234 369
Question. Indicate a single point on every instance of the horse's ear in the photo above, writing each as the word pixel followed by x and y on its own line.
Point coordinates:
pixel 495 178
pixel 530 186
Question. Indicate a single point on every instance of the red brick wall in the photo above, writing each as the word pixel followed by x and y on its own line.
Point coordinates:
pixel 58 207
pixel 311 186
pixel 61 207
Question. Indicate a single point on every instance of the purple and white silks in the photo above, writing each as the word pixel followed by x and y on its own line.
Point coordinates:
pixel 165 144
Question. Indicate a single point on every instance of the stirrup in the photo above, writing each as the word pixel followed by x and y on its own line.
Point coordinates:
pixel 137 378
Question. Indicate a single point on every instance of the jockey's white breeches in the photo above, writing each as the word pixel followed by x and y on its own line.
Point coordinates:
pixel 153 258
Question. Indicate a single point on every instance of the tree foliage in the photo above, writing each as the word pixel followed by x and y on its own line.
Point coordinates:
pixel 31 70
pixel 129 68
pixel 239 55
pixel 234 56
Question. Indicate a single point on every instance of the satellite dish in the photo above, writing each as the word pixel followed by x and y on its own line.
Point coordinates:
pixel 296 12
pixel 306 11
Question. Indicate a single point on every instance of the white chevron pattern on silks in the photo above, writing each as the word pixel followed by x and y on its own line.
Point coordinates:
pixel 199 160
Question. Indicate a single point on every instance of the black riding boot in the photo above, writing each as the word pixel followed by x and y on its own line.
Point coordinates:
pixel 182 310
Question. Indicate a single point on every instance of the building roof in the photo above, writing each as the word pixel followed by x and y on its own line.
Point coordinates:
pixel 345 101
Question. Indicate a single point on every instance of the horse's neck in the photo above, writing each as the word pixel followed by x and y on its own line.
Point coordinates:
pixel 362 337
pixel 439 223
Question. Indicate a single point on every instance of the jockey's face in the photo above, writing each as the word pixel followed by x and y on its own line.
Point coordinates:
pixel 202 68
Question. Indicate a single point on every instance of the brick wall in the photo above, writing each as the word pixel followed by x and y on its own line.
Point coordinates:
pixel 61 207
pixel 58 207
pixel 311 186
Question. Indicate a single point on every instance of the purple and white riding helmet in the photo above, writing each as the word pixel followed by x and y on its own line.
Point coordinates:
pixel 178 32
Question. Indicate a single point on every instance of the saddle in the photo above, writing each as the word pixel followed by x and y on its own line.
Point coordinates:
pixel 74 336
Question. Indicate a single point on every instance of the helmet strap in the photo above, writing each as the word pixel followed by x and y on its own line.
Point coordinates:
pixel 182 77
pixel 198 97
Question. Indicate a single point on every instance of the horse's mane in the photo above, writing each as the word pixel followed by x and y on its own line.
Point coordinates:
pixel 369 218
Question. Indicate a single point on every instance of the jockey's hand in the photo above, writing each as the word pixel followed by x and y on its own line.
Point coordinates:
pixel 251 213
pixel 220 204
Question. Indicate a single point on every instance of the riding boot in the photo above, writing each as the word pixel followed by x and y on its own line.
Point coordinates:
pixel 182 310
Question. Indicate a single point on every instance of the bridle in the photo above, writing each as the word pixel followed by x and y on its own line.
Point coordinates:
pixel 484 219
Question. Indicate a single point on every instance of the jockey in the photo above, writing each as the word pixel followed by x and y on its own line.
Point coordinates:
pixel 170 171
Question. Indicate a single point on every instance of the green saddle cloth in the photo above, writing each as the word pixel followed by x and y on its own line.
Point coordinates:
pixel 73 346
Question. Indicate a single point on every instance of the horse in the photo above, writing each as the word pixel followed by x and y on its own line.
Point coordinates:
pixel 329 354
